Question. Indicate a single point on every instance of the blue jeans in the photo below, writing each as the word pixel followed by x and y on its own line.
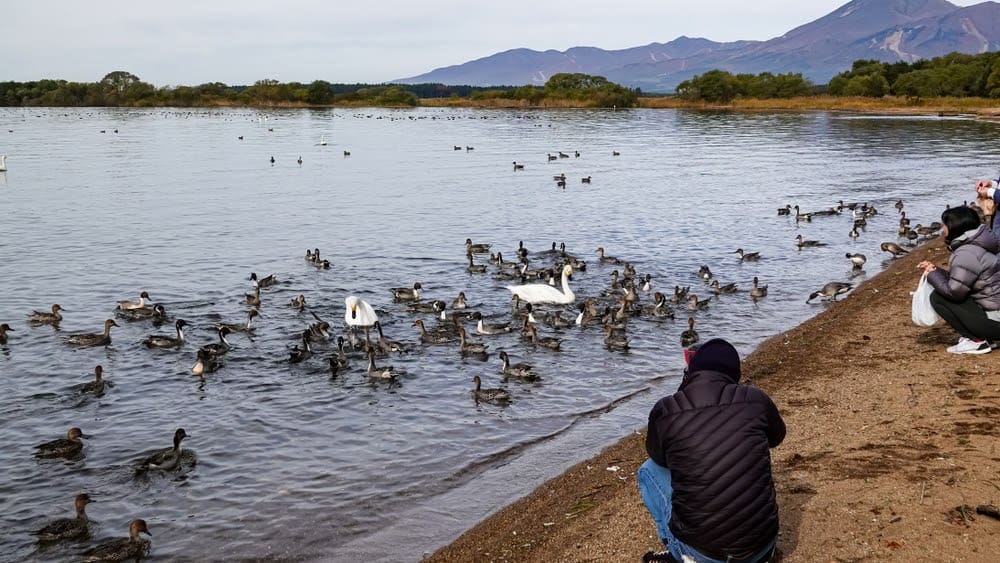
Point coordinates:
pixel 657 493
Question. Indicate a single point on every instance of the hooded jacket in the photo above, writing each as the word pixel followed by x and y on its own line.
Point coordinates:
pixel 714 436
pixel 973 270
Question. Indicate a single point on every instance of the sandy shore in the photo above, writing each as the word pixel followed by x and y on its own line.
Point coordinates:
pixel 888 435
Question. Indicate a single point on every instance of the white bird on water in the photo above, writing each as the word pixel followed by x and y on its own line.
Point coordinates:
pixel 544 293
pixel 358 312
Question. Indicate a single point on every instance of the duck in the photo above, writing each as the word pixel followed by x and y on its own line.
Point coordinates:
pixel 459 302
pixel 894 249
pixel 68 528
pixel 298 303
pixel 899 205
pixel 4 329
pixel 483 328
pixel 46 318
pixel 647 284
pixel 925 231
pixel 319 331
pixel 695 305
pixel 388 345
pixel 436 306
pixel 744 256
pixel 219 348
pixel 322 264
pixel 544 293
pixel 471 248
pixel 358 312
pixel 242 327
pixel 166 459
pixel 122 549
pixel 585 180
pixel 262 283
pixel 499 396
pixel 339 361
pixel 680 294
pixel 659 308
pixel 165 340
pixel 69 447
pixel 407 293
pixel 858 260
pixel 854 233
pixel 520 371
pixel 615 340
pixel 719 289
pixel 690 336
pixel 299 161
pixel 804 217
pixel 550 343
pixel 125 305
pixel 298 355
pixel 471 348
pixel 309 255
pixel 831 290
pixel 758 291
pixel 97 386
pixel 158 313
pixel 704 273
pixel 804 243
pixel 436 337
pixel 474 268
pixel 615 153
pixel 605 259
pixel 253 299
pixel 206 363
pixel 93 339
pixel 375 372
pixel 560 177
pixel 518 166
pixel 786 210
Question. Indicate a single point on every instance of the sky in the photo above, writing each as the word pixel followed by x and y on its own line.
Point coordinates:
pixel 188 42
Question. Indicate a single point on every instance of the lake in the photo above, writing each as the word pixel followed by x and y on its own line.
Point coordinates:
pixel 296 464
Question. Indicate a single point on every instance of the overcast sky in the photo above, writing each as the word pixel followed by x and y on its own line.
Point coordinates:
pixel 241 41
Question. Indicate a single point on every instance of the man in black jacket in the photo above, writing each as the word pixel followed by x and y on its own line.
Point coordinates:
pixel 708 481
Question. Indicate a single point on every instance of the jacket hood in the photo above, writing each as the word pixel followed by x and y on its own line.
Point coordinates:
pixel 721 357
pixel 982 237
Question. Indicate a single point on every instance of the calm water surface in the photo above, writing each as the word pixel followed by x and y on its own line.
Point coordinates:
pixel 294 464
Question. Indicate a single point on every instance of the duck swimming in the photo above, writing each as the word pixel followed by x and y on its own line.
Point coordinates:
pixel 68 447
pixel 858 260
pixel 544 293
pixel 719 289
pixel 483 328
pixel 262 283
pixel 4 329
pixel 242 327
pixel 384 372
pixel 45 318
pixel 437 337
pixel 407 293
pixel 167 459
pixel 474 268
pixel 158 313
pixel 744 256
pixel 804 243
pixel 471 248
pixel 253 299
pixel 695 305
pixel 550 343
pixel 604 259
pixel 471 348
pixel 521 372
pixel 206 363
pixel 615 340
pixel 498 396
pixel 358 312
pixel 387 345
pixel 298 355
pixel 97 386
pixel 689 336
pixel 218 348
pixel 122 549
pixel 758 291
pixel 94 339
pixel 68 528
pixel 831 290
pixel 704 273
pixel 298 303
pixel 125 305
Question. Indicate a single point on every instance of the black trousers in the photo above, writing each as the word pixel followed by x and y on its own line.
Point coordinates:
pixel 966 317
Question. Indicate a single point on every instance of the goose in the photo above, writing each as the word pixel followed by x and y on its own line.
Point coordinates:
pixel 858 260
pixel 166 459
pixel 298 355
pixel 242 327
pixel 518 166
pixel 483 328
pixel 471 248
pixel 253 299
pixel 96 387
pixel 4 329
pixel 894 249
pixel 719 289
pixel 358 312
pixel 831 290
pixel 704 273
pixel 93 339
pixel 615 340
pixel 388 345
pixel 805 217
pixel 521 372
pixel 499 396
pixel 804 243
pixel 550 343
pixel 206 363
pixel 690 336
pixel 436 337
pixel 543 293
pixel 758 291
pixel 298 303
pixel 384 372
pixel 262 283
pixel 219 348
pixel 68 447
pixel 471 348
pixel 744 256
pixel 68 528
pixel 165 340
pixel 695 305
pixel 141 303
pixel 407 293
pixel 122 549
pixel 43 317
pixel 786 210
pixel 604 259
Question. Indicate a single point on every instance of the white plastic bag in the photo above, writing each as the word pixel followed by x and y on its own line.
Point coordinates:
pixel 923 313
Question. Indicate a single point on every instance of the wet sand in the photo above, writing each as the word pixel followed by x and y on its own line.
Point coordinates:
pixel 888 437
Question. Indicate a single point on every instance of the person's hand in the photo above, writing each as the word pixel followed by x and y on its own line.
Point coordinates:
pixel 927 267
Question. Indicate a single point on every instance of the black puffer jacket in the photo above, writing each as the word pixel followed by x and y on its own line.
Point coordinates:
pixel 973 270
pixel 714 435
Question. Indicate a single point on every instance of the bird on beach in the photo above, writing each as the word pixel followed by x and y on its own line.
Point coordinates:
pixel 858 260
pixel 894 249
pixel 831 290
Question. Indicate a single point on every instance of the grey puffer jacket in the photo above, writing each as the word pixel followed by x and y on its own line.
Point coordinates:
pixel 974 271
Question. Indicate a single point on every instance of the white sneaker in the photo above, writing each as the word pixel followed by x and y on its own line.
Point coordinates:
pixel 969 346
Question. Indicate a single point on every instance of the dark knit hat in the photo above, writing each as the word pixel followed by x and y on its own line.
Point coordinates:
pixel 717 355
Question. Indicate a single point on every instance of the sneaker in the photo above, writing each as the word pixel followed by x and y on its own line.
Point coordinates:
pixel 969 346
pixel 663 556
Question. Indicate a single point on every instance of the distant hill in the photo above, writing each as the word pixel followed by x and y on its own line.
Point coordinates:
pixel 887 30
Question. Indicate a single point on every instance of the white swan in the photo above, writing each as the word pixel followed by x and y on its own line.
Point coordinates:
pixel 358 312
pixel 3 163
pixel 544 293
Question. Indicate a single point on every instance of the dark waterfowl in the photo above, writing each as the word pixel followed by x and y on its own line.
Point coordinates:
pixel 43 317
pixel 471 348
pixel 165 340
pixel 544 342
pixel 437 337
pixel 499 396
pixel 720 289
pixel 375 372
pixel 4 329
pixel 298 355
pixel 122 549
pixel 94 339
pixel 166 459
pixel 206 363
pixel 615 340
pixel 218 348
pixel 471 248
pixel 857 260
pixel 387 345
pixel 758 291
pixel 410 293
pixel 68 447
pixel 68 528
pixel 520 371
pixel 242 327
pixel 690 336
pixel 483 328
pixel 157 313
pixel 605 259
pixel 298 303
pixel 831 290
pixel 695 305
pixel 894 249
pixel 98 385
pixel 705 273
pixel 253 299
pixel 474 268
pixel 459 302
pixel 745 256
pixel 141 303
pixel 804 217
pixel 262 283
pixel 786 210
pixel 801 243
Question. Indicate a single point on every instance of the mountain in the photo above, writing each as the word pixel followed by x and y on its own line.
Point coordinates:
pixel 888 30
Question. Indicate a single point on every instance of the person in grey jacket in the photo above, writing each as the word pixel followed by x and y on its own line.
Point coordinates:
pixel 967 295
